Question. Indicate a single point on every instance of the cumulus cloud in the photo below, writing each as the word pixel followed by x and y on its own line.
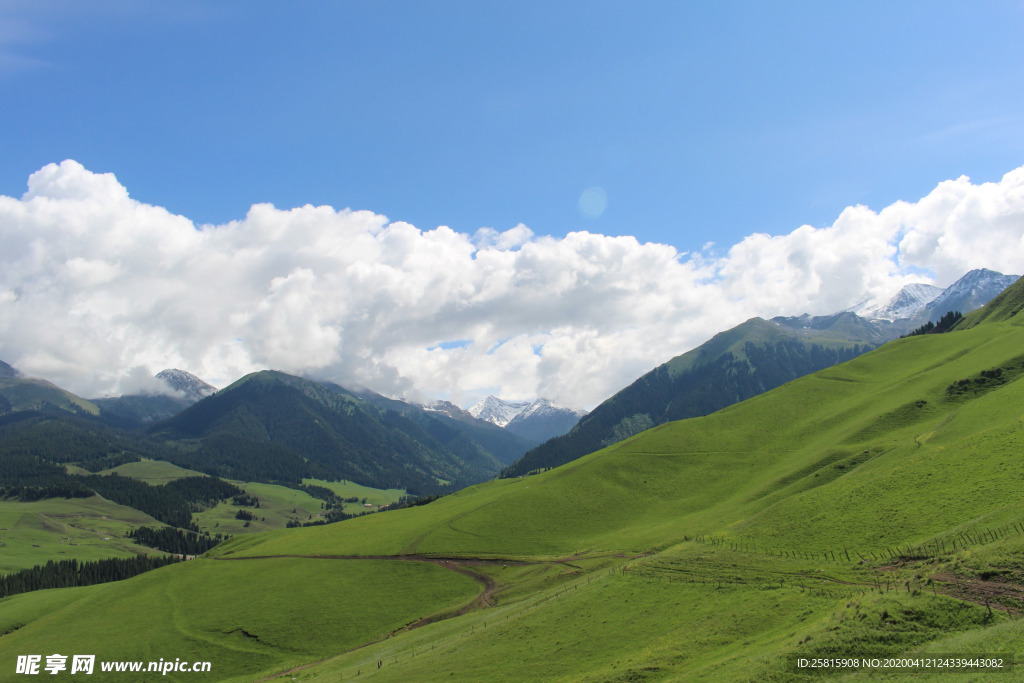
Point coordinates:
pixel 98 291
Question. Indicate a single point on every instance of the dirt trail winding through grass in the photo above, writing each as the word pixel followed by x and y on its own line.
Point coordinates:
pixel 461 565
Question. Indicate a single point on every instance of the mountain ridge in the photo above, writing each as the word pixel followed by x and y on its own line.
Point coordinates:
pixel 321 433
pixel 744 361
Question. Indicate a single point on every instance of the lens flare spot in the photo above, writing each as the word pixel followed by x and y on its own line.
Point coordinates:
pixel 593 202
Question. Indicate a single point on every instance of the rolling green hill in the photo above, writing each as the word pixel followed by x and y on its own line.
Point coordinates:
pixel 870 509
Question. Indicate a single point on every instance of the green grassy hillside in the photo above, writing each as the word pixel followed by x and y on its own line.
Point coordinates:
pixel 28 393
pixel 63 529
pixel 873 508
pixel 734 365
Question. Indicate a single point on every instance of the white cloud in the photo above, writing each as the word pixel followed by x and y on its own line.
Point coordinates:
pixel 97 290
pixel 139 380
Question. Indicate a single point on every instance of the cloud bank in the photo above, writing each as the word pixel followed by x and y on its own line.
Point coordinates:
pixel 98 290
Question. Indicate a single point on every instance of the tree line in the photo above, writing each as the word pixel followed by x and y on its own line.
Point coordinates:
pixel 65 573
pixel 945 324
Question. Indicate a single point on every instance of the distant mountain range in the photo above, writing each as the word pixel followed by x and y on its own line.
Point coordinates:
pixel 274 427
pixel 537 420
pixel 754 357
pixel 917 304
pixel 270 426
pixel 267 426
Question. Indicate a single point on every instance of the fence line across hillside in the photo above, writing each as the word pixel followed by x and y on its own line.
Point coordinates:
pixel 942 546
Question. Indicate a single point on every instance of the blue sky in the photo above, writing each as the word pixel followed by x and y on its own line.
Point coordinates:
pixel 621 182
pixel 700 121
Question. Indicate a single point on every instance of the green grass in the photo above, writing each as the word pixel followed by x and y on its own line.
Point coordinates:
pixel 94 528
pixel 859 458
pixel 278 506
pixel 700 615
pixel 346 489
pixel 206 610
pixel 63 529
pixel 154 472
pixel 716 548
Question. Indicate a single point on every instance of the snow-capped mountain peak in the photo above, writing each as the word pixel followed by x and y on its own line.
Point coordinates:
pixel 193 388
pixel 496 410
pixel 920 302
pixel 542 407
pixel 907 303
pixel 537 420
pixel 971 291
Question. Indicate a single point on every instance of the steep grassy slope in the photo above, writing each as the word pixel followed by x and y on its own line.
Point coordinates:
pixel 1004 307
pixel 732 366
pixel 857 428
pixel 873 508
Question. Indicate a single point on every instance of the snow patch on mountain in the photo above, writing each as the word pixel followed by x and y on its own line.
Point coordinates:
pixel 543 407
pixel 185 384
pixel 496 410
pixel 907 303
pixel 537 420
pixel 973 290
pixel 445 407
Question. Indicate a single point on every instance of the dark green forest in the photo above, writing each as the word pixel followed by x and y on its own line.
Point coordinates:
pixel 66 573
pixel 176 541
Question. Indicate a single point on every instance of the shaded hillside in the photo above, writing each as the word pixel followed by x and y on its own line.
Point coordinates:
pixel 57 437
pixel 269 426
pixel 453 427
pixel 730 367
pixel 140 409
